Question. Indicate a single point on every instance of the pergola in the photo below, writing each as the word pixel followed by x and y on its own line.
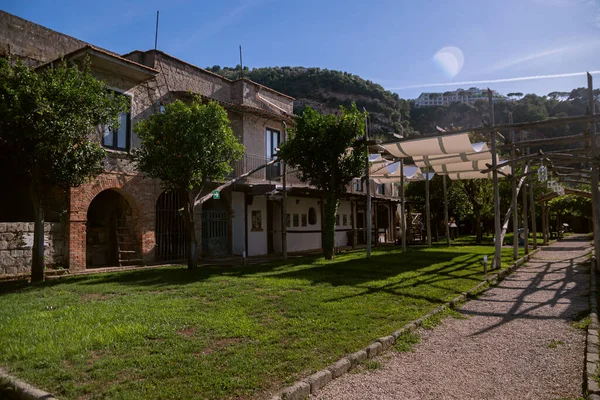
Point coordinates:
pixel 452 154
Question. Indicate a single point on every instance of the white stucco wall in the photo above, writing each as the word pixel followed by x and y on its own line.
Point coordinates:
pixel 341 235
pixel 297 241
pixel 237 223
pixel 257 240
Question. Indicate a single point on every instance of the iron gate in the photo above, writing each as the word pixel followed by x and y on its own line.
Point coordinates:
pixel 215 232
pixel 170 228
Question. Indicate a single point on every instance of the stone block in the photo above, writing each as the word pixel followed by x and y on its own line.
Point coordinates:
pixel 3 227
pixel 592 357
pixel 399 333
pixel 340 367
pixel 373 349
pixel 3 245
pixel 386 342
pixel 11 270
pixel 318 380
pixel 299 391
pixel 592 386
pixel 357 357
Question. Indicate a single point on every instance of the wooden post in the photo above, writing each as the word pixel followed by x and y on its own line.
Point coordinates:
pixel 284 205
pixel 427 208
pixel 525 216
pixel 353 211
pixel 245 228
pixel 532 205
pixel 515 214
pixel 376 215
pixel 368 182
pixel 446 211
pixel 544 225
pixel 594 186
pixel 402 206
pixel 497 225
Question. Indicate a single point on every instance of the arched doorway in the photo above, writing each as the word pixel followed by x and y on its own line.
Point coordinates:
pixel 170 228
pixel 110 234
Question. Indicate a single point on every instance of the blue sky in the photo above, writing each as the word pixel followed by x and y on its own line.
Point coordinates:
pixel 390 42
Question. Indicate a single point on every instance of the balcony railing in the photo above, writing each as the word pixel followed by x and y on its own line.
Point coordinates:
pixel 249 162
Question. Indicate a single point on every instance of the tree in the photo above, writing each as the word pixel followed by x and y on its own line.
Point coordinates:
pixel 46 121
pixel 184 147
pixel 325 150
pixel 477 193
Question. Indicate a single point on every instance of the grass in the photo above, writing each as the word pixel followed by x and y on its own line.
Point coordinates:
pixel 488 240
pixel 405 342
pixel 581 320
pixel 555 343
pixel 220 332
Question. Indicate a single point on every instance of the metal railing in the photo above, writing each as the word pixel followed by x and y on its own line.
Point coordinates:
pixel 248 162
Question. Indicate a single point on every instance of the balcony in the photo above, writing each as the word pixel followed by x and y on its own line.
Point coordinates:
pixel 249 162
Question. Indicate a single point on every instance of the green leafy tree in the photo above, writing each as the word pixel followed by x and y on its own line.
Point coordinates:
pixel 184 147
pixel 46 121
pixel 325 150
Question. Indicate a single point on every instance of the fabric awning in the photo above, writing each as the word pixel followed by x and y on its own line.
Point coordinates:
pixel 391 173
pixel 468 166
pixel 477 174
pixel 440 145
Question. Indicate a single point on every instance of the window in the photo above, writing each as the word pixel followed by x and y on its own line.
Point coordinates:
pixel 296 220
pixel 304 219
pixel 118 139
pixel 381 188
pixel 345 219
pixel 358 185
pixel 272 139
pixel 337 219
pixel 312 216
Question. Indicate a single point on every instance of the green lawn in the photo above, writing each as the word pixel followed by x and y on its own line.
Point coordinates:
pixel 220 332
pixel 489 240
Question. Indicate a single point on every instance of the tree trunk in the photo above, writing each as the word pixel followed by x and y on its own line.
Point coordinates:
pixel 478 225
pixel 188 216
pixel 37 252
pixel 331 206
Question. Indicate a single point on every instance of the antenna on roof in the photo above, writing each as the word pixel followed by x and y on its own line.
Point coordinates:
pixel 241 64
pixel 156 32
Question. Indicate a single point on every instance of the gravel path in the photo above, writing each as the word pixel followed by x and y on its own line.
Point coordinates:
pixel 502 349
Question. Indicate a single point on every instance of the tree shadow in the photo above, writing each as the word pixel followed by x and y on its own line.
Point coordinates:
pixel 571 289
pixel 345 270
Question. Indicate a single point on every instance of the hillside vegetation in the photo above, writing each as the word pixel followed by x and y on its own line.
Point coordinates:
pixel 325 90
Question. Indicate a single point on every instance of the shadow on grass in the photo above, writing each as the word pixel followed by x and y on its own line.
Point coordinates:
pixel 345 270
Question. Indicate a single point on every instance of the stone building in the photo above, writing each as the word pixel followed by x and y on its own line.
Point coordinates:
pixel 123 217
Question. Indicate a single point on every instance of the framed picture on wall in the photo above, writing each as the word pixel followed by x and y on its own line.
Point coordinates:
pixel 304 219
pixel 256 221
pixel 296 220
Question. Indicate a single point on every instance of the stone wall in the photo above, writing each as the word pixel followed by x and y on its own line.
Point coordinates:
pixel 33 43
pixel 16 240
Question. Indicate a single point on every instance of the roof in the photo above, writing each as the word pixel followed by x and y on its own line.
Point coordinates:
pixel 239 107
pixel 215 74
pixel 103 58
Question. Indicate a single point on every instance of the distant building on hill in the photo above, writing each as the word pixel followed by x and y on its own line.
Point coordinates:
pixel 469 96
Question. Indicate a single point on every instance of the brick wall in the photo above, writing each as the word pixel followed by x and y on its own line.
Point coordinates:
pixel 141 195
pixel 16 241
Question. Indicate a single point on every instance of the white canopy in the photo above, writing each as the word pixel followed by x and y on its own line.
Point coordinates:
pixel 479 165
pixel 444 144
pixel 481 153
pixel 391 173
pixel 477 174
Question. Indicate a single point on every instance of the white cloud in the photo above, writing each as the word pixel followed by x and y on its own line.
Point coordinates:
pixel 545 54
pixel 503 80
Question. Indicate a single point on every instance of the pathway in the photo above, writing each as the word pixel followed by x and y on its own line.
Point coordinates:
pixel 502 350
